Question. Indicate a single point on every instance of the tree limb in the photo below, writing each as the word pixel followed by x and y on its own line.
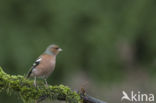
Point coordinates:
pixel 28 92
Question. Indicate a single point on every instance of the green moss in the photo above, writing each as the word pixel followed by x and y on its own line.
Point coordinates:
pixel 29 93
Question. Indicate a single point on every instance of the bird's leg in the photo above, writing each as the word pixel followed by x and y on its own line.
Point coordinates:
pixel 46 83
pixel 35 81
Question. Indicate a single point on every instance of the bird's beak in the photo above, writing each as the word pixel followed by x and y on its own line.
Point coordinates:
pixel 59 49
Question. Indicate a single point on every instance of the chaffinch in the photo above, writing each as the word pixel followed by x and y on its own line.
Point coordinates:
pixel 45 64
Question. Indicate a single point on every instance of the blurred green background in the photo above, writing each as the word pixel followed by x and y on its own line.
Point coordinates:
pixel 108 45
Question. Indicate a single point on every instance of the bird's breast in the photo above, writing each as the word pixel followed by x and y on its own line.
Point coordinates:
pixel 46 66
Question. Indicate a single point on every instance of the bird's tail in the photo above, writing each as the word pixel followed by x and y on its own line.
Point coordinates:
pixel 29 73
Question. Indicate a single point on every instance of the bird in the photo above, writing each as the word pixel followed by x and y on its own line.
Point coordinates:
pixel 45 64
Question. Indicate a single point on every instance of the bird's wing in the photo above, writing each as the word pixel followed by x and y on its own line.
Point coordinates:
pixel 36 63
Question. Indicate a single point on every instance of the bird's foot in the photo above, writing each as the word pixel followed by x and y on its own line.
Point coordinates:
pixel 35 84
pixel 46 83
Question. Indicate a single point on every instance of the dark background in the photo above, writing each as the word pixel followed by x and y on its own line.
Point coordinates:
pixel 108 45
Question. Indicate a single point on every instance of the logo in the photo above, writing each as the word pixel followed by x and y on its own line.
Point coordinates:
pixel 137 97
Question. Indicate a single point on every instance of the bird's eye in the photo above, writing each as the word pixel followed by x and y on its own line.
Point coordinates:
pixel 56 48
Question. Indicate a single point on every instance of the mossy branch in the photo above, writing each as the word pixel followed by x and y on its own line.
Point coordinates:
pixel 28 92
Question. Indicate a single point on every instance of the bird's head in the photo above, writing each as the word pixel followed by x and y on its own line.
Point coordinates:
pixel 53 49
